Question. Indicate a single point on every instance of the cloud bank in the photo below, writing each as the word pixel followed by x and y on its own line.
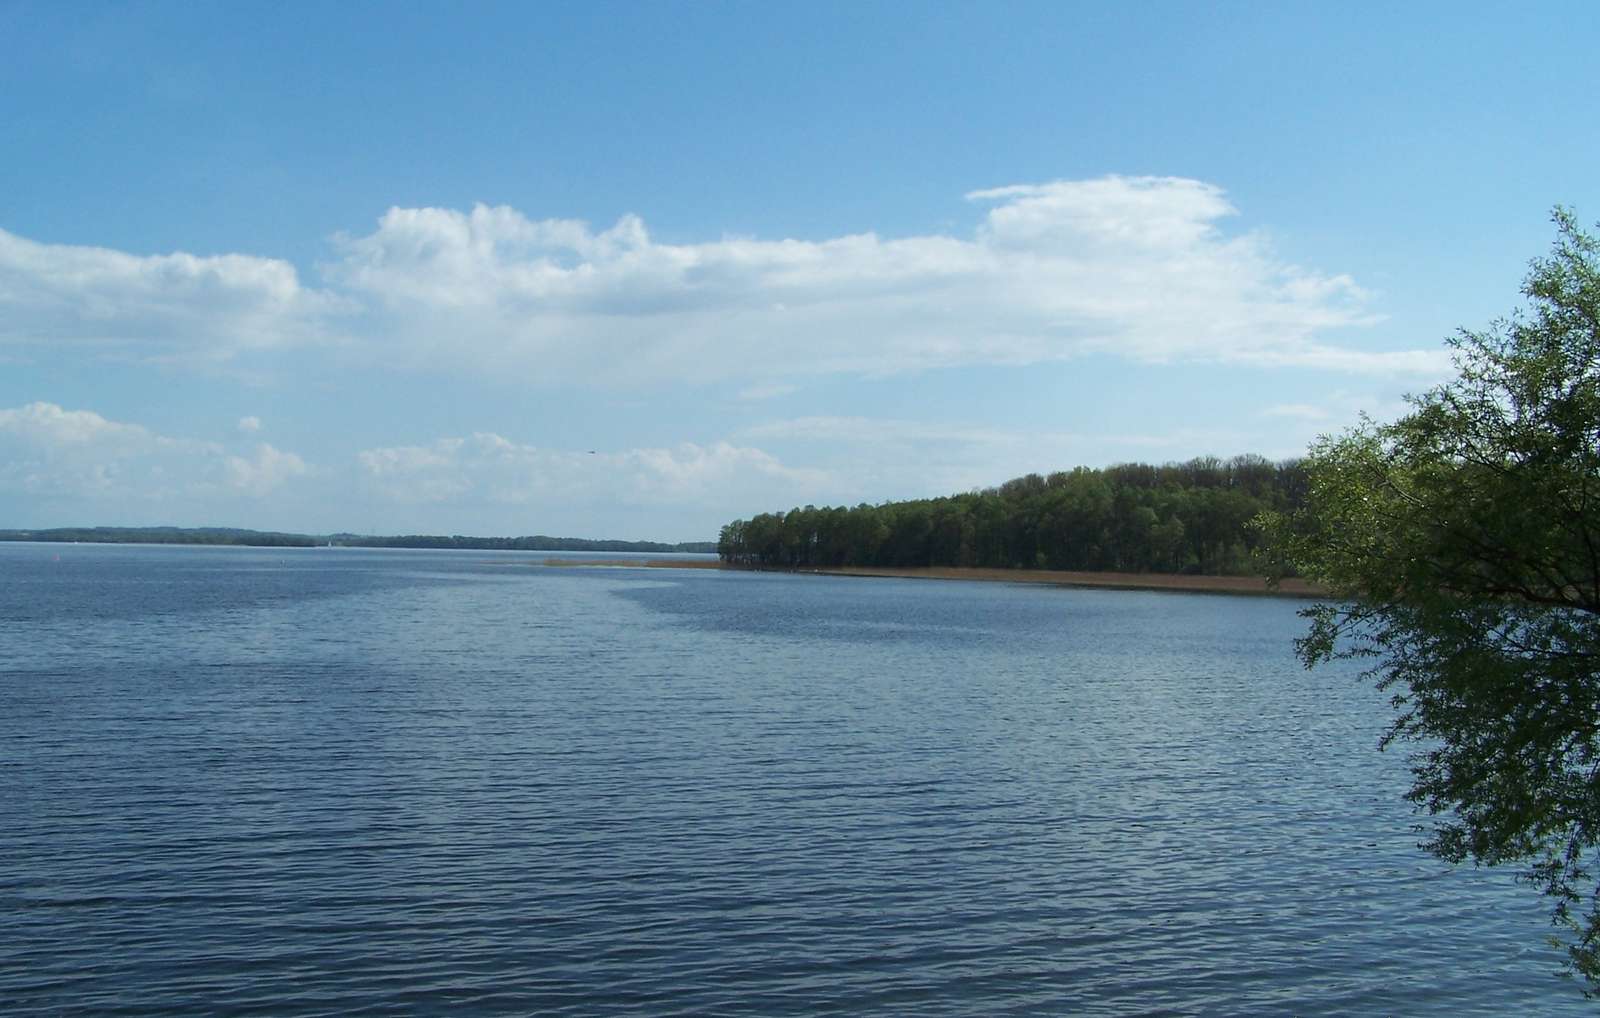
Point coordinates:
pixel 1136 267
pixel 79 457
pixel 50 452
pixel 487 468
pixel 158 306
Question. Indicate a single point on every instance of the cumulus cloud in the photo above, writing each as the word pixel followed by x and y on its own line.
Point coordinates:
pixel 49 451
pixel 486 468
pixel 263 470
pixel 250 424
pixel 46 425
pixel 171 305
pixel 1137 267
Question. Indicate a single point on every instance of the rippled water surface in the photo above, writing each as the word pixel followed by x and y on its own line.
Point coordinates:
pixel 331 781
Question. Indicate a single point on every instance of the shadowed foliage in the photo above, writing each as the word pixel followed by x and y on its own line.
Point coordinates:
pixel 1463 542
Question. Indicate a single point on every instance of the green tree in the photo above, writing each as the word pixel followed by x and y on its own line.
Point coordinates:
pixel 1462 546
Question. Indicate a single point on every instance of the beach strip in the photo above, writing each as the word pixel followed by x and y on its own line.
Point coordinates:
pixel 1291 587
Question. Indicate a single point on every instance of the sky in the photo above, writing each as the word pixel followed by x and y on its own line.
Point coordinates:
pixel 634 270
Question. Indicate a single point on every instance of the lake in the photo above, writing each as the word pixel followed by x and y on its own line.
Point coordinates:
pixel 321 781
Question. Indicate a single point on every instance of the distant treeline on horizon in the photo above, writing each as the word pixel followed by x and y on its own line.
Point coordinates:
pixel 274 539
pixel 1188 517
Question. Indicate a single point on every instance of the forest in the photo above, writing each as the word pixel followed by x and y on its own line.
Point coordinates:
pixel 1191 517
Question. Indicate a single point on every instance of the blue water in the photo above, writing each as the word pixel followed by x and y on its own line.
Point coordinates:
pixel 359 782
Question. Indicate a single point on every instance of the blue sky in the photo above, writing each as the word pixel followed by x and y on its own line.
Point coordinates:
pixel 634 270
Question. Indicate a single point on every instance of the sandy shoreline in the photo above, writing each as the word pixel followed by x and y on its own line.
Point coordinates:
pixel 635 563
pixel 1121 581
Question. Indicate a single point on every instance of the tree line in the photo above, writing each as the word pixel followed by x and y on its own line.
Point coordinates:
pixel 273 539
pixel 1190 517
pixel 162 535
pixel 537 542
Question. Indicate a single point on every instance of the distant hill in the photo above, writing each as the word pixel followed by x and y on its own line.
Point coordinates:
pixel 274 539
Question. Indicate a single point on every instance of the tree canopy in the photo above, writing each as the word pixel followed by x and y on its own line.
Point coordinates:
pixel 1179 517
pixel 1462 545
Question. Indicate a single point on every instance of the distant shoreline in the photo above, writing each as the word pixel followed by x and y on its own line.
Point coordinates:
pixel 1248 585
pixel 237 537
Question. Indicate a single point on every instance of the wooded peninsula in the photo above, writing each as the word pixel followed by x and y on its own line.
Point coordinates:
pixel 1189 518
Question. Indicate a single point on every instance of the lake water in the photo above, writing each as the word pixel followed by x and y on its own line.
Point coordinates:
pixel 363 782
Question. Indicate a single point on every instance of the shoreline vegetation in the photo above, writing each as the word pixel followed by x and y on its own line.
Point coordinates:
pixel 1182 582
pixel 1173 527
pixel 1179 521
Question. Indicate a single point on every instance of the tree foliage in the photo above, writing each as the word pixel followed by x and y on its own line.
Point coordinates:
pixel 1464 543
pixel 1179 517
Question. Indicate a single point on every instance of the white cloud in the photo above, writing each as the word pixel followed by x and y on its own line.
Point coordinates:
pixel 49 451
pixel 264 470
pixel 486 468
pixel 1128 266
pixel 46 425
pixel 1137 267
pixel 1114 213
pixel 173 305
pixel 250 424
